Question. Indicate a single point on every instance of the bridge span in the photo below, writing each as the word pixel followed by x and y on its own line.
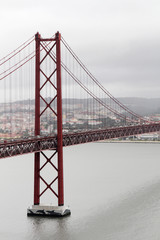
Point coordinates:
pixel 38 144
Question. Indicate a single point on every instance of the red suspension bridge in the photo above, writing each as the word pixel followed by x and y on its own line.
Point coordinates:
pixel 49 100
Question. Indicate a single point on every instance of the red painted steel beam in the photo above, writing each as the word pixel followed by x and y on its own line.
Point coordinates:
pixel 37 120
pixel 59 123
pixel 37 86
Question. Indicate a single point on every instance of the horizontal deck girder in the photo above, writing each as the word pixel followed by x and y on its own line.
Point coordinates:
pixel 31 145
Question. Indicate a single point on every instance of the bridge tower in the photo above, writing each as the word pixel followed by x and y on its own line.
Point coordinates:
pixel 37 208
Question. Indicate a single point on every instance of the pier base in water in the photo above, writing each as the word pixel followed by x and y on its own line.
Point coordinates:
pixel 48 211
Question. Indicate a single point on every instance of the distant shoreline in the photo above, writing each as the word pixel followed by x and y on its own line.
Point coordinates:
pixel 126 141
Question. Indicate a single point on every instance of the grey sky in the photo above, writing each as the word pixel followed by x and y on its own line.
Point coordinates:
pixel 118 40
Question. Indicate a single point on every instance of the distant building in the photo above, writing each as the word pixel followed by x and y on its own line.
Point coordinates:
pixel 149 136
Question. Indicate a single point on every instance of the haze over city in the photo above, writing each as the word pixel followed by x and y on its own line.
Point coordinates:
pixel 119 41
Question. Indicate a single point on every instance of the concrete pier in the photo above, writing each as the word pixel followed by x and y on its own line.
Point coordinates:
pixel 48 210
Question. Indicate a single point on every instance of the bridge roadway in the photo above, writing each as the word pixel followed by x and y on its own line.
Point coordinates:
pixel 38 144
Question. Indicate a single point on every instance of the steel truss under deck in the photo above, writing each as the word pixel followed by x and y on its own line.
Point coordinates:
pixel 20 147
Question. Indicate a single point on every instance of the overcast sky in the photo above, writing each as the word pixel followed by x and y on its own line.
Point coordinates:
pixel 118 40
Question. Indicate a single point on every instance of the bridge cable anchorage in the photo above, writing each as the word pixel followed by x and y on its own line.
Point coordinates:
pixel 100 85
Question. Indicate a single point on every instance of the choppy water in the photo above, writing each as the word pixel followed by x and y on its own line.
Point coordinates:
pixel 113 190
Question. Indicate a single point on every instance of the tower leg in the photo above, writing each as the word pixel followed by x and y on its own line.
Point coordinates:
pixel 36 178
pixel 59 123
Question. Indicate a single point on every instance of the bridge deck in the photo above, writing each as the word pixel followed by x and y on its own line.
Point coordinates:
pixel 21 146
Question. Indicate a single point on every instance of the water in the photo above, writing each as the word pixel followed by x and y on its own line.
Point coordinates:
pixel 113 190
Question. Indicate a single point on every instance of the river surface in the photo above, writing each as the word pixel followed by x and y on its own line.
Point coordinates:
pixel 113 190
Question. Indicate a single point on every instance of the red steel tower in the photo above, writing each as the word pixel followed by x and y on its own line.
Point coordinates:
pixel 48 45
